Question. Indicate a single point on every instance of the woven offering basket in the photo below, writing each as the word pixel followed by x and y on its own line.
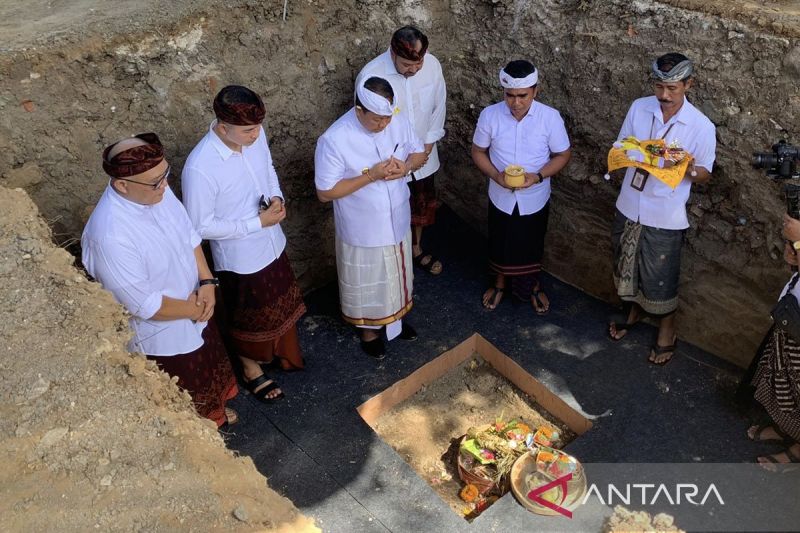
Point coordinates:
pixel 485 485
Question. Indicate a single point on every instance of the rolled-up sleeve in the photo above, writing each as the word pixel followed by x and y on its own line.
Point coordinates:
pixel 121 269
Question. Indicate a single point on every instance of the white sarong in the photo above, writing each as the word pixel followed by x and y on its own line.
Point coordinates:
pixel 376 283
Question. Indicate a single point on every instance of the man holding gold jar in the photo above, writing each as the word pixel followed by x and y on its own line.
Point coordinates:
pixel 519 144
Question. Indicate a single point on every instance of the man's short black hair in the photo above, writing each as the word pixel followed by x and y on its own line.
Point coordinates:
pixel 379 86
pixel 237 94
pixel 520 68
pixel 404 43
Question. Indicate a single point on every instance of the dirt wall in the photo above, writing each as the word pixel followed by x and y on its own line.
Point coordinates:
pixel 103 75
pixel 95 438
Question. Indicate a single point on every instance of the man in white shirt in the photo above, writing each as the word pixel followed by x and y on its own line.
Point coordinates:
pixel 233 197
pixel 524 133
pixel 359 165
pixel 421 95
pixel 140 245
pixel 650 222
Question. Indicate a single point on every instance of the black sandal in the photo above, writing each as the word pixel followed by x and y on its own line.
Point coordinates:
pixel 761 428
pixel 656 350
pixel 496 290
pixel 262 394
pixel 429 265
pixel 620 327
pixel 771 460
pixel 538 303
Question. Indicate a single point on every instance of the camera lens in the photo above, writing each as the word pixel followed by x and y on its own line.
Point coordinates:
pixel 764 160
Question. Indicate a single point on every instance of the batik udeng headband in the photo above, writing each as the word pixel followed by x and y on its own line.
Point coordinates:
pixel 679 72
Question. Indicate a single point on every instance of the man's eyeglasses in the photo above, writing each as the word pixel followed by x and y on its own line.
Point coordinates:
pixel 155 186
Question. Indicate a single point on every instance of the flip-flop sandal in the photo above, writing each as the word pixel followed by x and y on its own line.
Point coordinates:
pixel 618 328
pixel 429 265
pixel 793 459
pixel 497 290
pixel 656 350
pixel 231 416
pixel 262 394
pixel 538 304
pixel 761 428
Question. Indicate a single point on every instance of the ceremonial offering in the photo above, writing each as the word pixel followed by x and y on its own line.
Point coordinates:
pixel 651 155
pixel 543 466
pixel 515 176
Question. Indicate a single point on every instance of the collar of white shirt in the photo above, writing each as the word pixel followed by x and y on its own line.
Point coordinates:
pixel 507 111
pixel 130 208
pixel 216 142
pixel 681 116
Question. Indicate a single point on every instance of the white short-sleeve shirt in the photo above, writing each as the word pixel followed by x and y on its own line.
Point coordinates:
pixel 658 205
pixel 141 253
pixel 379 213
pixel 221 190
pixel 528 142
pixel 421 97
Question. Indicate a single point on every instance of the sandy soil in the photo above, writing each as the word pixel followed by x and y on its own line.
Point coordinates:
pixel 426 428
pixel 93 438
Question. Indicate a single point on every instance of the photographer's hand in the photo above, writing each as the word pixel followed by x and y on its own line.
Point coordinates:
pixel 791 228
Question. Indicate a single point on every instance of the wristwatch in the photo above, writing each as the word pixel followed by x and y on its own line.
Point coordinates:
pixel 365 172
pixel 209 281
pixel 541 178
pixel 796 245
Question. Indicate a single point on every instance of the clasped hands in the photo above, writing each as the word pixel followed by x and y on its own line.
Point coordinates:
pixel 388 170
pixel 274 214
pixel 203 300
pixel 531 178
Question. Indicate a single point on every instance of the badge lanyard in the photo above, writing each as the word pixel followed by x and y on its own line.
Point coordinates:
pixel 640 176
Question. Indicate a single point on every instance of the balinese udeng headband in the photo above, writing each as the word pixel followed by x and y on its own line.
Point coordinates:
pixel 679 72
pixel 134 160
pixel 510 82
pixel 239 114
pixel 374 102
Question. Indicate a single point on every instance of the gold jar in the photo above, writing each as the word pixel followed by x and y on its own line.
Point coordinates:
pixel 515 176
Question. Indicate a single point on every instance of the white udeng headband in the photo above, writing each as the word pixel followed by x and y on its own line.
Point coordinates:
pixel 374 102
pixel 510 82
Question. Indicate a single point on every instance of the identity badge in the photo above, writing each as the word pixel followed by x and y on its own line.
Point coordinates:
pixel 639 179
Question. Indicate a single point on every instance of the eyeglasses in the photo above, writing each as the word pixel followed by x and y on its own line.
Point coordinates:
pixel 155 186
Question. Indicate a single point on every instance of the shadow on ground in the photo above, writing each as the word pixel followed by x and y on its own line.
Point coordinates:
pixel 316 450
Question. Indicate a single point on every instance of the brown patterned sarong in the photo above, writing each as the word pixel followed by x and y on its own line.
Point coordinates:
pixel 423 200
pixel 647 264
pixel 205 373
pixel 261 310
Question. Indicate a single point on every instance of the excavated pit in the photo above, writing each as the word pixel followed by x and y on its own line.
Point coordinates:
pixel 76 76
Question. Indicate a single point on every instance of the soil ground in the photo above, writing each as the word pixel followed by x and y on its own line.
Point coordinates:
pixel 427 427
pixel 92 437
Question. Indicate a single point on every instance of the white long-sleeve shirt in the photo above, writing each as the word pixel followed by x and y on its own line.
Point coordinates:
pixel 221 191
pixel 421 97
pixel 141 253
pixel 379 213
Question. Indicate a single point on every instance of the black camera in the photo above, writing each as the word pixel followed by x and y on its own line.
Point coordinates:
pixel 781 164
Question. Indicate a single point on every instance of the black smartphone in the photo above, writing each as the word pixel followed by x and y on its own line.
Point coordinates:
pixel 263 204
